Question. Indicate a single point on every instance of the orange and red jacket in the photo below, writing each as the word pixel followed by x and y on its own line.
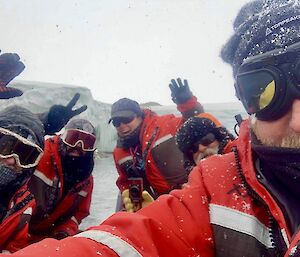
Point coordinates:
pixel 223 210
pixel 14 226
pixel 57 213
pixel 163 160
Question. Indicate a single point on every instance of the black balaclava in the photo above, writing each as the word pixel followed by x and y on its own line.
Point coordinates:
pixel 76 169
pixel 26 124
pixel 279 170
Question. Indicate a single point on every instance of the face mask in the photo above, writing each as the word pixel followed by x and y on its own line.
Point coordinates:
pixel 7 175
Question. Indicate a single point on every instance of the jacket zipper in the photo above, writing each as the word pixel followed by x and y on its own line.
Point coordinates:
pixel 256 197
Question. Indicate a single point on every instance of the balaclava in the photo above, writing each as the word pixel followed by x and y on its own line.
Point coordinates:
pixel 76 169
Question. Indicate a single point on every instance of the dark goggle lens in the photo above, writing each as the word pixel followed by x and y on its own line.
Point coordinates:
pixel 27 154
pixel 206 141
pixel 256 90
pixel 72 137
pixel 125 120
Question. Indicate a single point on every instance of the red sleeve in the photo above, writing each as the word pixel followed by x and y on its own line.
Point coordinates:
pixel 190 108
pixel 70 226
pixel 122 180
pixel 174 225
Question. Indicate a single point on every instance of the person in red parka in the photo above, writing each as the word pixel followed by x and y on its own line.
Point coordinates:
pixel 202 136
pixel 21 148
pixel 62 183
pixel 242 203
pixel 146 155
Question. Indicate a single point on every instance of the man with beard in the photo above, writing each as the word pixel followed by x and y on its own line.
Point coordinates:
pixel 243 203
pixel 62 183
pixel 21 144
pixel 202 136
pixel 146 155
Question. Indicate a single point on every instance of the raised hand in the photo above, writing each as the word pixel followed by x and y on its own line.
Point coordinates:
pixel 180 92
pixel 59 115
pixel 10 67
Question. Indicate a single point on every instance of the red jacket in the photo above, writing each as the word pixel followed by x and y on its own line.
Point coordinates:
pixel 163 160
pixel 55 212
pixel 14 227
pixel 222 211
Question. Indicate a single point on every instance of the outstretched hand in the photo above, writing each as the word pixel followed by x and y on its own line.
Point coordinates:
pixel 10 67
pixel 59 115
pixel 180 91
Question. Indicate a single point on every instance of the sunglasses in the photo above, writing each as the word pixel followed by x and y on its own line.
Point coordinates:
pixel 72 137
pixel 205 141
pixel 124 120
pixel 268 83
pixel 25 153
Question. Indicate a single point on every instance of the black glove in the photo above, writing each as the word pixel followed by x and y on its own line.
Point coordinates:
pixel 59 115
pixel 10 67
pixel 180 92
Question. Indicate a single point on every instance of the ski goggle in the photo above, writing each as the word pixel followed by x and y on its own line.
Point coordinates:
pixel 25 153
pixel 72 137
pixel 268 83
pixel 206 141
pixel 125 120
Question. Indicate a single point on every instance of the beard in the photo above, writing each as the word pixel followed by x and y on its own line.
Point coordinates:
pixel 291 139
pixel 208 152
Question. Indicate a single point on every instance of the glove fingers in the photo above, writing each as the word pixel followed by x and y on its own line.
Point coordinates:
pixel 179 82
pixel 129 206
pixel 125 193
pixel 79 110
pixel 73 101
pixel 9 92
pixel 174 83
pixel 10 73
pixel 147 197
pixel 185 83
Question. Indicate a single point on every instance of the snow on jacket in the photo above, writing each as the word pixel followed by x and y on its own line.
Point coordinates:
pixel 222 211
pixel 163 160
pixel 14 226
pixel 55 212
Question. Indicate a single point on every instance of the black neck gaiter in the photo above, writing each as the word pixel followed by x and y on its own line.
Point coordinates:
pixel 76 170
pixel 131 140
pixel 279 170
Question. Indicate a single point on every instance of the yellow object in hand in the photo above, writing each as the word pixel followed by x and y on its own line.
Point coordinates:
pixel 133 207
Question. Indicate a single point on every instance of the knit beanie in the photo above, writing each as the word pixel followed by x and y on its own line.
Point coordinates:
pixel 262 26
pixel 24 123
pixel 81 124
pixel 193 130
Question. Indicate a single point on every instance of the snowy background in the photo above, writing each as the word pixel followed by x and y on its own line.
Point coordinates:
pixel 39 97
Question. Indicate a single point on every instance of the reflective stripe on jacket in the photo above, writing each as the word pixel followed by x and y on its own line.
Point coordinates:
pixel 222 211
pixel 14 227
pixel 55 213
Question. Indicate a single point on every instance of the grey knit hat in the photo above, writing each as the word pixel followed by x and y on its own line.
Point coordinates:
pixel 81 124
pixel 24 123
pixel 261 26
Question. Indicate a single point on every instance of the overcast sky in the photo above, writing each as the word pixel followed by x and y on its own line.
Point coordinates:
pixel 122 48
